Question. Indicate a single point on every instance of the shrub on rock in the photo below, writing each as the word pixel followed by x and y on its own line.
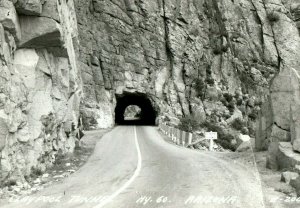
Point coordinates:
pixel 273 16
pixel 238 124
pixel 189 123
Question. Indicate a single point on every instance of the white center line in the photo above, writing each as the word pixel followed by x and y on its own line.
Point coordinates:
pixel 136 173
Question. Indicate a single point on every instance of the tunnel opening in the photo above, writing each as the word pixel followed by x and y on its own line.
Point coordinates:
pixel 132 112
pixel 127 102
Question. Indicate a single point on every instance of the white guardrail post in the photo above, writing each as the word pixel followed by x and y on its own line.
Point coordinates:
pixel 182 138
pixel 190 139
pixel 172 134
pixel 178 132
pixel 177 136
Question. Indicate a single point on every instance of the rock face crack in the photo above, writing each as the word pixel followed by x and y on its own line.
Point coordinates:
pixel 170 56
pixel 261 26
pixel 275 123
pixel 275 42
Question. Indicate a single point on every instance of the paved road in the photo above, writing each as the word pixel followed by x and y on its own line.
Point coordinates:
pixel 134 167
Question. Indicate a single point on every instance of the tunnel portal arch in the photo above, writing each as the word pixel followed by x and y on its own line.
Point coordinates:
pixel 148 113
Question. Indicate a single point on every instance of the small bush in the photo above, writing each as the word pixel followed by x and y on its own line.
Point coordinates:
pixel 10 182
pixel 245 130
pixel 200 87
pixel 231 106
pixel 208 71
pixel 273 16
pixel 27 178
pixel 226 142
pixel 251 131
pixel 239 101
pixel 60 158
pixel 189 124
pixel 238 124
pixel 35 172
pixel 228 97
pixel 224 101
pixel 225 48
pixel 217 51
pixel 210 81
pixel 253 115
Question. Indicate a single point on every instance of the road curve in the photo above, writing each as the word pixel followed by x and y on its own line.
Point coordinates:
pixel 134 167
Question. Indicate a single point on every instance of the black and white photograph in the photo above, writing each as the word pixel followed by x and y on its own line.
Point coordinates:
pixel 149 103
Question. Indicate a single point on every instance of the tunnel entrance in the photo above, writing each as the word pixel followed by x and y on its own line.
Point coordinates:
pixel 125 103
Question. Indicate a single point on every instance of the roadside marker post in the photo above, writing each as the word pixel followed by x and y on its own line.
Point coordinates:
pixel 211 136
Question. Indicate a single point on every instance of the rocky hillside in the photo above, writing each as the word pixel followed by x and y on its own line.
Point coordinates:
pixel 222 61
pixel 40 86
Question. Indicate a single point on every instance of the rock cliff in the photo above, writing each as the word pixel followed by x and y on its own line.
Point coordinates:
pixel 218 60
pixel 40 84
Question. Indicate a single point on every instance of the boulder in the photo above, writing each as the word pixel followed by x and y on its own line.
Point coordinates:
pixel 295 110
pixel 9 18
pixel 281 105
pixel 244 143
pixel 243 138
pixel 279 134
pixel 286 157
pixel 287 176
pixel 29 7
pixel 40 32
pixel 296 184
pixel 296 145
pixel 246 146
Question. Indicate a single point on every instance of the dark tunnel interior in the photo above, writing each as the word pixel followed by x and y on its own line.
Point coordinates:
pixel 147 115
